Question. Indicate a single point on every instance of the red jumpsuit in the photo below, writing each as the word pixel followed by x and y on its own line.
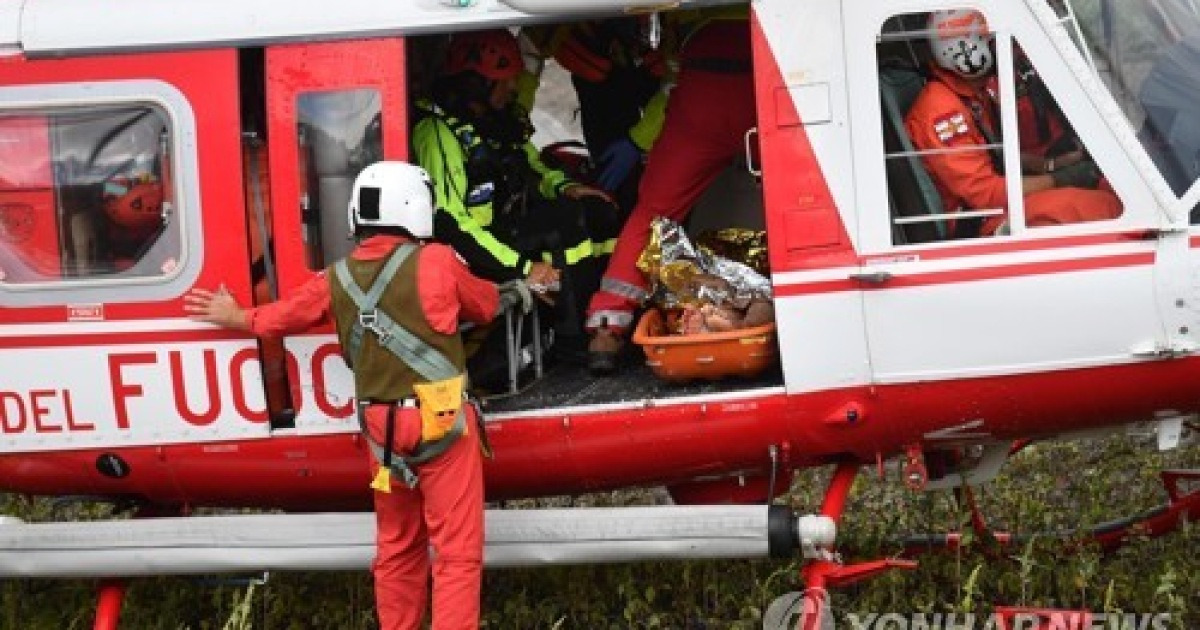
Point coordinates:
pixel 948 114
pixel 446 507
pixel 708 114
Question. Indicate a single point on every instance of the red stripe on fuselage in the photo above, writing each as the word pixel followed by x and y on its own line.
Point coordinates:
pixel 954 276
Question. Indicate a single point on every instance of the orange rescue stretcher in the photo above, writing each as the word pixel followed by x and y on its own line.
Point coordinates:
pixel 745 352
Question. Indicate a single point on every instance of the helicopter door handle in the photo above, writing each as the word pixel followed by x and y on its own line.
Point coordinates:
pixel 872 277
pixel 750 165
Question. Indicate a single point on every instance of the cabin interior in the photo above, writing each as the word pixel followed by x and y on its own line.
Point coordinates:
pixel 340 132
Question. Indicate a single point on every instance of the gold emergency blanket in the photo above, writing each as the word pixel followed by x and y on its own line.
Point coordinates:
pixel 700 290
pixel 738 244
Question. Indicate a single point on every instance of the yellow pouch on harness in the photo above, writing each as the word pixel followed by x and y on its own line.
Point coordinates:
pixel 440 403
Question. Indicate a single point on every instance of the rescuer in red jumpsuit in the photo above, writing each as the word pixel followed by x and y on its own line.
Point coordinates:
pixel 708 114
pixel 956 109
pixel 429 293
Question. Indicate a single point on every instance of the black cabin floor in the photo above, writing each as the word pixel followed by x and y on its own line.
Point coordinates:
pixel 570 385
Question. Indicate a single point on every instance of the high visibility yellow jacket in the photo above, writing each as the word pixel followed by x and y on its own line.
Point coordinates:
pixel 473 178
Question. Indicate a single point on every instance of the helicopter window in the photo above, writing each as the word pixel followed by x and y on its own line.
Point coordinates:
pixel 85 193
pixel 945 151
pixel 1148 56
pixel 340 133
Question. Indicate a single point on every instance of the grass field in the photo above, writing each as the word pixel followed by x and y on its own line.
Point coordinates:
pixel 1048 488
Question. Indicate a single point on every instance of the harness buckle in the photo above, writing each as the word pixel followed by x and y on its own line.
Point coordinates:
pixel 369 320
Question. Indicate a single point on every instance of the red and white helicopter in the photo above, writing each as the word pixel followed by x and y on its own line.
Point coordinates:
pixel 148 147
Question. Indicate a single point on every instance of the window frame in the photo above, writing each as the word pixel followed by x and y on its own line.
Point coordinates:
pixel 51 99
pixel 329 251
pixel 1137 191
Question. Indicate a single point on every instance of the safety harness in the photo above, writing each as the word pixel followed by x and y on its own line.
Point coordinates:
pixel 413 351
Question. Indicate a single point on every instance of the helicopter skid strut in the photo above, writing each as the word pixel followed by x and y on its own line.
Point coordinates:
pixel 827 570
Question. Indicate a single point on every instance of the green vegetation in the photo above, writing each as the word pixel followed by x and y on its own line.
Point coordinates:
pixel 1048 488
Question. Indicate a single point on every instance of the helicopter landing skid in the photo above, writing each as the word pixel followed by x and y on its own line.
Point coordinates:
pixel 1183 505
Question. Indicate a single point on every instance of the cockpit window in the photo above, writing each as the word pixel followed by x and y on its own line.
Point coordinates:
pixel 85 194
pixel 950 161
pixel 1148 55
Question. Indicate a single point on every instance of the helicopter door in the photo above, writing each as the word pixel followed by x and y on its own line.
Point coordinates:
pixel 804 140
pixel 958 284
pixel 333 108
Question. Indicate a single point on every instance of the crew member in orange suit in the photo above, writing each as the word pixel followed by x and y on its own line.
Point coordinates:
pixel 424 291
pixel 957 110
pixel 1046 139
pixel 708 113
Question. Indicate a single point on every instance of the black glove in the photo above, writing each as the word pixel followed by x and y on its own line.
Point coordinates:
pixel 615 163
pixel 1066 143
pixel 1082 174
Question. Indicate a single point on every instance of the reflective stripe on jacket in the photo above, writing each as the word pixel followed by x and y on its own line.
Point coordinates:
pixel 463 167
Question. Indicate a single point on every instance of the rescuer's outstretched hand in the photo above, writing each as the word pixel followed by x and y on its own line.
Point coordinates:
pixel 215 307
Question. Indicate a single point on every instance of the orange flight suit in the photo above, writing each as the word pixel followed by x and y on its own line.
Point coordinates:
pixel 952 114
pixel 445 510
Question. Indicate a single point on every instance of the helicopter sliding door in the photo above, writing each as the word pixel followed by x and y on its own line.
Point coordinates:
pixel 104 164
pixel 808 186
pixel 333 108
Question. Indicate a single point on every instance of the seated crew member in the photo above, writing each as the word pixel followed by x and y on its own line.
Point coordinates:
pixel 110 226
pixel 425 292
pixel 498 205
pixel 708 114
pixel 1046 139
pixel 621 82
pixel 956 109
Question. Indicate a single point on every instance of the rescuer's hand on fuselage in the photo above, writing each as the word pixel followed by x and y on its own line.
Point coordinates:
pixel 215 307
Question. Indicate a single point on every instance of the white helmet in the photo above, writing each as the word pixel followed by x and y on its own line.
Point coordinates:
pixel 393 194
pixel 959 41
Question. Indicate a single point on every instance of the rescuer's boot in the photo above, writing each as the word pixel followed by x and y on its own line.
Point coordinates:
pixel 604 350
